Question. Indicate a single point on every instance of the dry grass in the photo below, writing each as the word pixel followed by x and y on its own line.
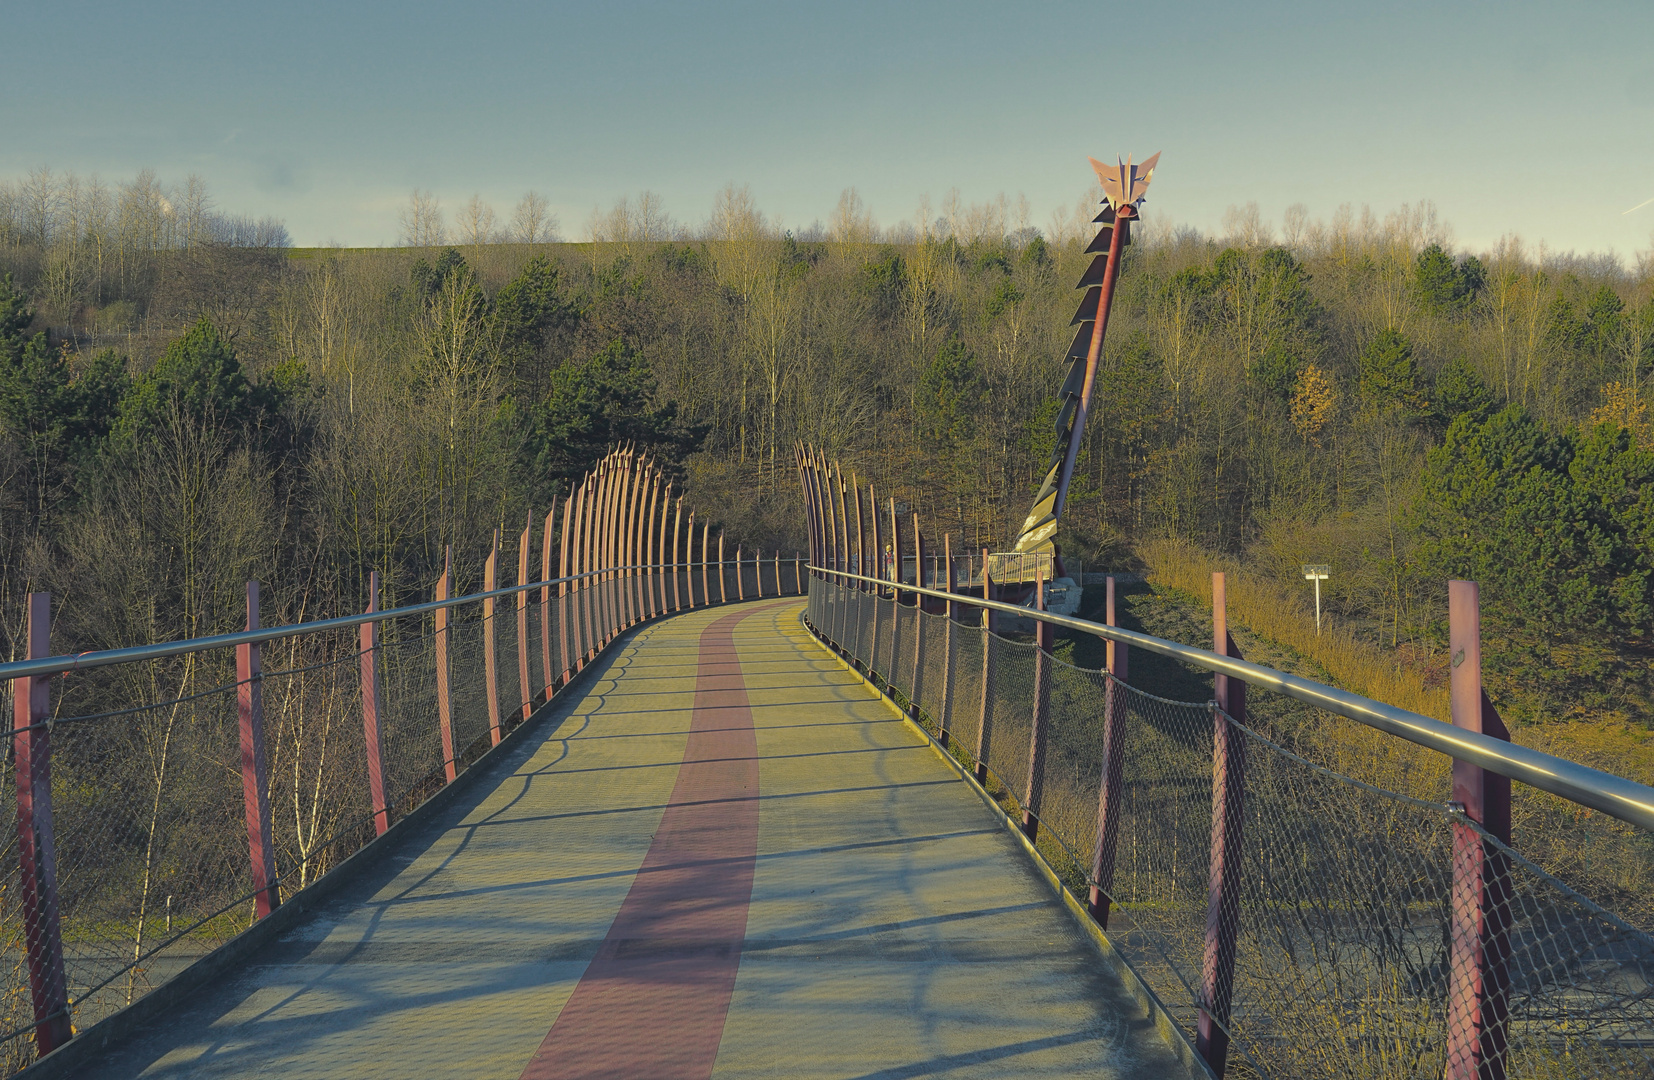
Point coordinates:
pixel 1287 617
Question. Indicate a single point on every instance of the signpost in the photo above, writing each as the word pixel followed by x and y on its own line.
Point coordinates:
pixel 1317 573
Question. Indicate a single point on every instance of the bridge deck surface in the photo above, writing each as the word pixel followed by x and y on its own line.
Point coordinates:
pixel 615 902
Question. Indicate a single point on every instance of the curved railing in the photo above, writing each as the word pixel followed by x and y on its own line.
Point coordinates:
pixel 1306 895
pixel 171 795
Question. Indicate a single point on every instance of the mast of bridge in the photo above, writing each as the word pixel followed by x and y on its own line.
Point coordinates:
pixel 1124 186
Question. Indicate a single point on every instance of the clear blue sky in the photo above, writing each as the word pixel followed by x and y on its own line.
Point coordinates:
pixel 1525 117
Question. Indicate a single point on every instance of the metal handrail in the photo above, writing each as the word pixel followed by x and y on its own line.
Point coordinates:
pixel 1615 796
pixel 52 665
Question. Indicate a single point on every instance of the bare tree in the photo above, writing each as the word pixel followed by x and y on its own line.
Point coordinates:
pixel 421 220
pixel 852 223
pixel 476 222
pixel 530 223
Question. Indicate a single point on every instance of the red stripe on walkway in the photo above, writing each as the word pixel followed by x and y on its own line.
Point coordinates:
pixel 653 1000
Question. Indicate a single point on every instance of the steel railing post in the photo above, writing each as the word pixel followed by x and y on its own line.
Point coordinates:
pixel 740 586
pixel 444 698
pixel 523 686
pixel 255 771
pixel 984 728
pixel 778 589
pixel 1044 640
pixel 36 850
pixel 1111 792
pixel 1478 1002
pixel 945 721
pixel 490 657
pixel 798 573
pixel 1224 866
pixel 368 638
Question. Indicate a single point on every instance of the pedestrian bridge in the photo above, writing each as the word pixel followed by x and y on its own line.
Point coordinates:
pixel 661 810
pixel 724 856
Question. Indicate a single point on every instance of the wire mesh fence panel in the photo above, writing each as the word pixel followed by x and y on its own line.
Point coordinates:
pixel 149 852
pixel 905 621
pixel 1012 704
pixel 1162 854
pixel 1073 760
pixel 16 1008
pixel 932 667
pixel 966 701
pixel 410 739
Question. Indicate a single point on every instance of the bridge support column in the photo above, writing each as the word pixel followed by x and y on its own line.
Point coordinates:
pixel 1045 639
pixel 1111 795
pixel 255 771
pixel 36 849
pixel 1480 916
pixel 369 644
pixel 1223 880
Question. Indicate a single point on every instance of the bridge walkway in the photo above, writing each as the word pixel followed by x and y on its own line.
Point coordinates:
pixel 728 858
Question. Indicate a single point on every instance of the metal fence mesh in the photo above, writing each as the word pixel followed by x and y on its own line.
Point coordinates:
pixel 1343 914
pixel 148 807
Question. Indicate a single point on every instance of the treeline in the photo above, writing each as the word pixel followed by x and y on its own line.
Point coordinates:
pixel 1354 392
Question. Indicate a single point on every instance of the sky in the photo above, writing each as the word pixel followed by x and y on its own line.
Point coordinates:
pixel 1529 118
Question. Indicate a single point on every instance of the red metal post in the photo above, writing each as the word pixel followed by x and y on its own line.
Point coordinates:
pixel 875 570
pixel 490 630
pixel 565 621
pixel 1111 275
pixel 546 534
pixel 255 770
pixel 634 533
pixel 658 503
pixel 1223 878
pixel 523 686
pixel 706 580
pixel 609 508
pixel 862 562
pixel 895 548
pixel 36 849
pixel 679 568
pixel 1046 640
pixel 579 595
pixel 918 616
pixel 985 723
pixel 444 699
pixel 369 644
pixel 1478 1004
pixel 945 721
pixel 1111 792
pixel 723 592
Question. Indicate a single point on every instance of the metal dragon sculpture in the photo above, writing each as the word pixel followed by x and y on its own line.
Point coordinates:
pixel 1124 186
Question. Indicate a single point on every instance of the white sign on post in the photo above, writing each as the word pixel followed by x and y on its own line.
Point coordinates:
pixel 1317 572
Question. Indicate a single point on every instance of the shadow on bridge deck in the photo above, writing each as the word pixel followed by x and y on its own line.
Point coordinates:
pixel 611 900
